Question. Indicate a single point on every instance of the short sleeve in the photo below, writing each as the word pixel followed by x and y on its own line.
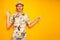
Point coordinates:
pixel 11 20
pixel 27 19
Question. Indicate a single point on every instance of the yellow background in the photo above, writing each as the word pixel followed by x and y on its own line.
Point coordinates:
pixel 48 28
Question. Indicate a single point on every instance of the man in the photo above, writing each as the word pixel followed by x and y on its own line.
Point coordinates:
pixel 19 20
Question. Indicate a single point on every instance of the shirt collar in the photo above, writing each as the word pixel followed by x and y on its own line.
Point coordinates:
pixel 21 14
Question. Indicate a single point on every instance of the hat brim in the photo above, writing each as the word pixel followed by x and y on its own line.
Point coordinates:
pixel 19 4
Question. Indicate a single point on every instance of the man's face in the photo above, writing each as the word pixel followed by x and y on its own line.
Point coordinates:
pixel 19 8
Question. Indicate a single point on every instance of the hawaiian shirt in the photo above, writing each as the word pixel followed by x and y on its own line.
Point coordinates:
pixel 20 22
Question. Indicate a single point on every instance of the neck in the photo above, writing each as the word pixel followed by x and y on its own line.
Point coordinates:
pixel 20 12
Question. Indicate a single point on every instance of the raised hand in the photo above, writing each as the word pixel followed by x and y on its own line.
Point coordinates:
pixel 8 14
pixel 38 18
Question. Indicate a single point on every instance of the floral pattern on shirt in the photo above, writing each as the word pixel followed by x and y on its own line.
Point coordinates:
pixel 20 22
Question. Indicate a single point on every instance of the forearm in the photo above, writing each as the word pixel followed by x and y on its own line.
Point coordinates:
pixel 7 22
pixel 33 23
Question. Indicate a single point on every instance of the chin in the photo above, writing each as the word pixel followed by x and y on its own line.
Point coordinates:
pixel 19 10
